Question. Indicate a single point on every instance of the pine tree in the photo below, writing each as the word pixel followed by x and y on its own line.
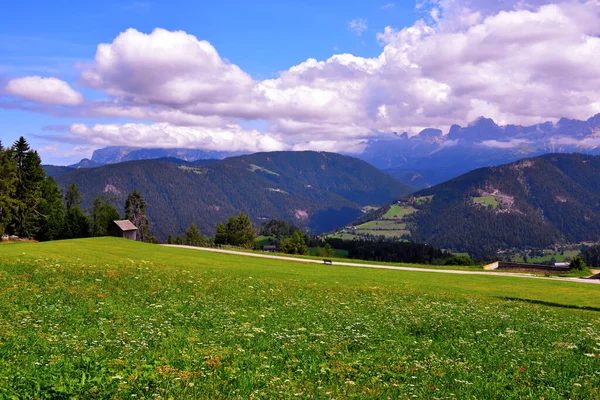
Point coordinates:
pixel 53 212
pixel 295 244
pixel 77 223
pixel 328 251
pixel 29 178
pixel 237 232
pixel 244 233
pixel 72 197
pixel 135 211
pixel 103 215
pixel 193 237
pixel 221 235
pixel 8 179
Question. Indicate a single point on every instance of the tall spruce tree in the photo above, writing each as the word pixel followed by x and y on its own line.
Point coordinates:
pixel 295 244
pixel 29 178
pixel 52 209
pixel 72 197
pixel 237 232
pixel 221 235
pixel 135 211
pixel 77 223
pixel 193 237
pixel 243 233
pixel 8 179
pixel 103 215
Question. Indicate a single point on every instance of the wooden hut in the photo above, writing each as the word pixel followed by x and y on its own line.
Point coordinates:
pixel 124 229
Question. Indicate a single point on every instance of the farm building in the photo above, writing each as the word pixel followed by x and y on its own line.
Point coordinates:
pixel 124 229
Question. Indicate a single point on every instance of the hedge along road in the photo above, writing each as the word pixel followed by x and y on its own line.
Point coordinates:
pixel 349 264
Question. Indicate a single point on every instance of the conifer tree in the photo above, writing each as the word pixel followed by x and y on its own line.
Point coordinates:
pixel 8 178
pixel 221 235
pixel 135 211
pixel 193 237
pixel 77 223
pixel 72 197
pixel 295 244
pixel 29 178
pixel 103 215
pixel 237 232
pixel 52 211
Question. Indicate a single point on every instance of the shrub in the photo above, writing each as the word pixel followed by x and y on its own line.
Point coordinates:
pixel 577 264
pixel 460 260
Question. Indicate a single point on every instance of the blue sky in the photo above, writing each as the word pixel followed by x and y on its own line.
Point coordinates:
pixel 269 75
pixel 262 37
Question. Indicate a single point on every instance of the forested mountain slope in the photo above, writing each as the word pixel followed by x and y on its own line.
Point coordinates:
pixel 318 191
pixel 531 203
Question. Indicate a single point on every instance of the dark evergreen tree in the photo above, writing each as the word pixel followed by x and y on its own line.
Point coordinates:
pixel 52 209
pixel 295 244
pixel 328 250
pixel 8 179
pixel 243 234
pixel 72 197
pixel 193 237
pixel 591 256
pixel 221 235
pixel 77 223
pixel 135 211
pixel 29 178
pixel 237 232
pixel 103 215
pixel 577 264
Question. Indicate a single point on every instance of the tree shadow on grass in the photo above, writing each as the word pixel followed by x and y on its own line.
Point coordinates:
pixel 550 304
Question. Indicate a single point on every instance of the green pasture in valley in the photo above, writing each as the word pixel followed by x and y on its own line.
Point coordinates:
pixel 486 201
pixel 399 212
pixel 110 318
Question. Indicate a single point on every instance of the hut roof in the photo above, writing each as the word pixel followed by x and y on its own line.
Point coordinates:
pixel 125 225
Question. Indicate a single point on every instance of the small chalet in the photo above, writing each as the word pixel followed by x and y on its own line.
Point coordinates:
pixel 270 248
pixel 124 229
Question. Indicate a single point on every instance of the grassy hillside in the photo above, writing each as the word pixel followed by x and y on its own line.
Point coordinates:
pixel 110 318
pixel 319 191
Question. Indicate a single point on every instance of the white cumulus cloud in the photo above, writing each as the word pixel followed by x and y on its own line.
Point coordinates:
pixel 163 67
pixel 50 91
pixel 162 135
pixel 518 62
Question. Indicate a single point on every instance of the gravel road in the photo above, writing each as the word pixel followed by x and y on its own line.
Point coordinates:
pixel 349 264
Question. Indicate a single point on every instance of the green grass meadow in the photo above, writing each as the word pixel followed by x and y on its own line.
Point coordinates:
pixel 486 201
pixel 110 318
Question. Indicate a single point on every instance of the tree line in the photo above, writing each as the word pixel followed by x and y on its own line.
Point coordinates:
pixel 33 205
pixel 287 238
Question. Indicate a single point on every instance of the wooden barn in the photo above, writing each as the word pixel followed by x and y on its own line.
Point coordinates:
pixel 124 229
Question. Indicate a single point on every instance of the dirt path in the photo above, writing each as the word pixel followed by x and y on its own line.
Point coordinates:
pixel 413 269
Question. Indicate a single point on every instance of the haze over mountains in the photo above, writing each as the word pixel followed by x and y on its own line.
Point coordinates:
pixel 316 191
pixel 430 157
